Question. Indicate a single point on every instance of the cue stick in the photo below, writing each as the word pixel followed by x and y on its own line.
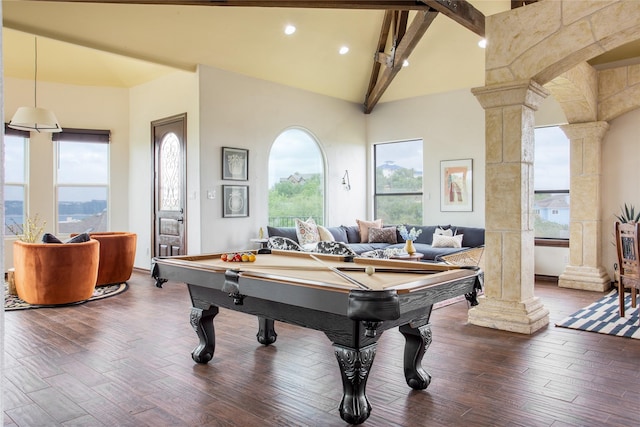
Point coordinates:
pixel 340 273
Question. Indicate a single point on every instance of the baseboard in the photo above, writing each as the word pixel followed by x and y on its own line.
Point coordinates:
pixel 545 278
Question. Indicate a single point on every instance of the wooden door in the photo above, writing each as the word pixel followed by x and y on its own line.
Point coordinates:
pixel 170 186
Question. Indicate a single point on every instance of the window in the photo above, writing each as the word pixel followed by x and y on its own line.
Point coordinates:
pixel 296 179
pixel 398 182
pixel 82 180
pixel 15 177
pixel 551 183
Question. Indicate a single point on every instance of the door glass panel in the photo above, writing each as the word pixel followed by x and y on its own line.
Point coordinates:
pixel 170 173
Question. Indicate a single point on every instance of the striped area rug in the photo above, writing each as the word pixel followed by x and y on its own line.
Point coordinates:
pixel 602 316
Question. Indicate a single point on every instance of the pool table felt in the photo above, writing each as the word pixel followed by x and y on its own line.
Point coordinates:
pixel 301 269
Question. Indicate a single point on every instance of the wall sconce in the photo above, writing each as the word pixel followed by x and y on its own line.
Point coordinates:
pixel 35 118
pixel 346 184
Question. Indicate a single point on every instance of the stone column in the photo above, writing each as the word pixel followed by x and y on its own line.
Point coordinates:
pixel 585 270
pixel 509 303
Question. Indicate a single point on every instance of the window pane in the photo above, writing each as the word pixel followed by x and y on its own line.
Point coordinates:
pixel 399 167
pixel 398 182
pixel 551 164
pixel 13 207
pixel 82 209
pixel 399 209
pixel 551 183
pixel 82 163
pixel 296 179
pixel 551 215
pixel 14 159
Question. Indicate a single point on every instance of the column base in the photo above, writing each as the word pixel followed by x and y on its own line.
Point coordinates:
pixel 524 317
pixel 585 278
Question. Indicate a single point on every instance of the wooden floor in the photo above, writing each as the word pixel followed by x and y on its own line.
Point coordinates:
pixel 125 361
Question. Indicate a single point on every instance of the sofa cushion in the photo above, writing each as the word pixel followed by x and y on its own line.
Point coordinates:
pixel 80 238
pixel 288 232
pixel 353 233
pixel 473 237
pixel 339 234
pixel 383 235
pixel 364 227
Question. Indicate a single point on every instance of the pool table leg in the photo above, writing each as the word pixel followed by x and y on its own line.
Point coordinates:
pixel 202 323
pixel 354 368
pixel 418 340
pixel 266 331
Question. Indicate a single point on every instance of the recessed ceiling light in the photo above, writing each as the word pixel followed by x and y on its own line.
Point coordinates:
pixel 405 63
pixel 289 29
pixel 482 43
pixel 343 50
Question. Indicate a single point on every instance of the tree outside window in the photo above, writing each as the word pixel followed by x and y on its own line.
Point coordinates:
pixel 296 179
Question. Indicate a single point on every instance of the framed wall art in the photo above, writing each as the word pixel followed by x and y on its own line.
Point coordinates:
pixel 235 164
pixel 456 185
pixel 235 199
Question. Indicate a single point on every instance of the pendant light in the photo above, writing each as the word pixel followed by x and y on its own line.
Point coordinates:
pixel 35 118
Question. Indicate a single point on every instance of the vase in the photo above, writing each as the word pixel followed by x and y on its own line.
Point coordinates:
pixel 409 248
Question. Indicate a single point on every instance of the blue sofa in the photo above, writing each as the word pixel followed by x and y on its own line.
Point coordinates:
pixel 472 237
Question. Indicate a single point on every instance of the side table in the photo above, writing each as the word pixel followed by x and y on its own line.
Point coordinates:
pixel 261 242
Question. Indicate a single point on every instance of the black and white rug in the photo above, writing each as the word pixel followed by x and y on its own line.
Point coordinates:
pixel 13 302
pixel 602 317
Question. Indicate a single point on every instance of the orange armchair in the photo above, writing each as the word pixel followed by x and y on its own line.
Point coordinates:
pixel 117 254
pixel 51 274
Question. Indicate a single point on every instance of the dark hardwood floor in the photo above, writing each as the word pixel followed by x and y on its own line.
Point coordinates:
pixel 125 361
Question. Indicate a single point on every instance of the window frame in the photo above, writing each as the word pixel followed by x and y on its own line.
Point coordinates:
pixel 377 195
pixel 554 241
pixel 25 136
pixel 81 136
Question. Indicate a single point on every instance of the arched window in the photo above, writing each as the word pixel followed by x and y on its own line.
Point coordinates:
pixel 296 179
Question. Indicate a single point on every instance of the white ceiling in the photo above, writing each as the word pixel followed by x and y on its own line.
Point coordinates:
pixel 124 45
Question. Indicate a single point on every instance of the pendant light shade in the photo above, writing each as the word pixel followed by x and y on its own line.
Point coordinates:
pixel 34 118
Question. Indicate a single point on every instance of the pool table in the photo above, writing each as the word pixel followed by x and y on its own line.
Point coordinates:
pixel 340 296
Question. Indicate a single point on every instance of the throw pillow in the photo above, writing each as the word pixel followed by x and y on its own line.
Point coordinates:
pixel 50 238
pixel 307 231
pixel 364 227
pixel 325 234
pixel 440 241
pixel 383 235
pixel 80 238
pixel 444 231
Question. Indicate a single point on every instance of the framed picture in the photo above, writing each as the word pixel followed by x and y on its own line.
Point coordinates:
pixel 235 164
pixel 456 185
pixel 235 199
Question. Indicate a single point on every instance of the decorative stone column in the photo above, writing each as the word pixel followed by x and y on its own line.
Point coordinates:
pixel 585 270
pixel 509 303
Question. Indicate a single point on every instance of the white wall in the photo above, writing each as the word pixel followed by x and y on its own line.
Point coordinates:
pixel 620 177
pixel 87 107
pixel 170 95
pixel 451 126
pixel 242 112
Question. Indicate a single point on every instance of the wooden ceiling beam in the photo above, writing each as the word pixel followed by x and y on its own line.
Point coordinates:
pixel 414 33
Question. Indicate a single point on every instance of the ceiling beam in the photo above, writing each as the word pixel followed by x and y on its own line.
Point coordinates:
pixel 400 52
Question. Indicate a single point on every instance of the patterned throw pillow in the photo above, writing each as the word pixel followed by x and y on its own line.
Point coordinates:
pixel 364 227
pixel 307 231
pixel 383 235
pixel 440 241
